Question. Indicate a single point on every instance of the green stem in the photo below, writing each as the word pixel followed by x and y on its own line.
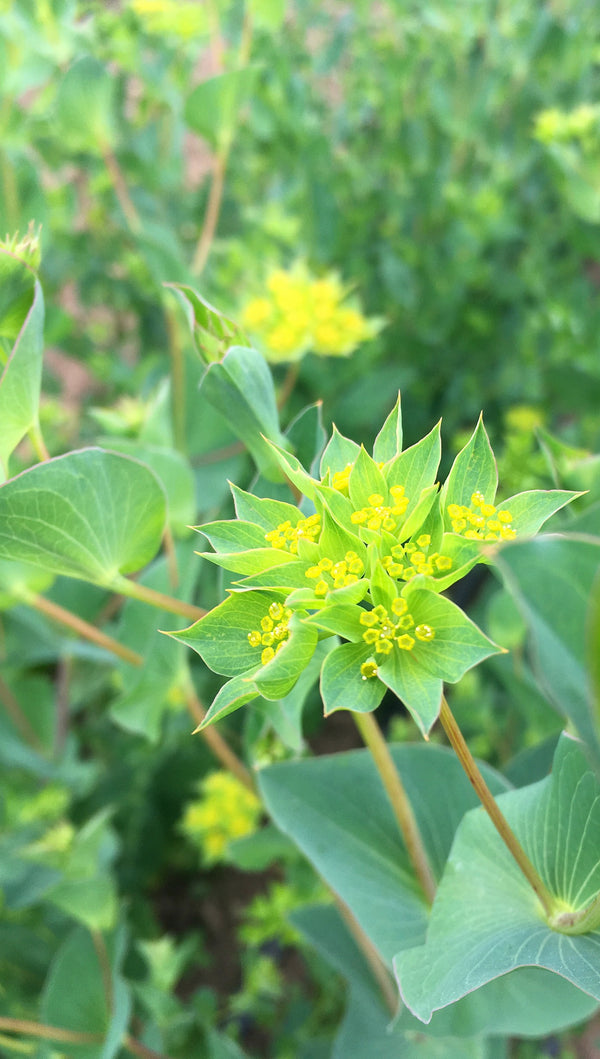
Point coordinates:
pixel 374 740
pixel 490 805
pixel 83 628
pixel 177 377
pixel 39 446
pixel 135 590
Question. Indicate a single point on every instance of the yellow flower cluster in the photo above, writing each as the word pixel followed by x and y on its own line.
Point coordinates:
pixel 225 810
pixel 329 574
pixel 273 632
pixel 302 314
pixel 378 515
pixel 383 630
pixel 419 560
pixel 481 521
pixel 554 125
pixel 180 18
pixel 286 536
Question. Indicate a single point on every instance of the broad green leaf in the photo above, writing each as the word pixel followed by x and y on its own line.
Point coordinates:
pixel 174 474
pixel 84 106
pixel 473 470
pixel 92 901
pixel 21 376
pixel 486 919
pixel 550 578
pixel 73 996
pixel 342 685
pixel 530 510
pixel 222 1047
pixel 212 108
pixel 388 443
pixel 221 636
pixel 336 810
pixel 420 692
pixel 213 332
pixel 339 452
pixel 240 387
pixel 528 1002
pixel 458 644
pixel 91 514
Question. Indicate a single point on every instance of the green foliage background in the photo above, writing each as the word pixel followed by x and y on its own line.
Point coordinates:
pixel 444 159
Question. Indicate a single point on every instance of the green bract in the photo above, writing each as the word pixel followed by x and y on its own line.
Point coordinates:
pixel 364 558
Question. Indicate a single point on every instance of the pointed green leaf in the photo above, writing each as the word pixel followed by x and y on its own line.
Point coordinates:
pixel 240 387
pixel 416 468
pixel 91 514
pixel 213 332
pixel 236 693
pixel 388 443
pixel 365 479
pixel 342 685
pixel 419 511
pixel 263 512
pixel 473 470
pixel 458 644
pixel 234 536
pixel 73 996
pixel 531 509
pixel 221 636
pixel 486 919
pixel 550 578
pixel 293 469
pixel 420 692
pixel 256 561
pixel 339 453
pixel 281 578
pixel 21 376
pixel 277 678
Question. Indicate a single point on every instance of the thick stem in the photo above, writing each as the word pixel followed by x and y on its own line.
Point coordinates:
pixel 48 1033
pixel 171 557
pixel 374 740
pixel 120 187
pixel 213 208
pixel 135 590
pixel 490 805
pixel 84 628
pixel 105 968
pixel 378 968
pixel 217 744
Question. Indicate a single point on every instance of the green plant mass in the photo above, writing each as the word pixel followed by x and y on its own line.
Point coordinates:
pixel 299 709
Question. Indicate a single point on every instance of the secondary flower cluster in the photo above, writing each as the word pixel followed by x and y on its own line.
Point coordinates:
pixel 225 810
pixel 363 564
pixel 301 314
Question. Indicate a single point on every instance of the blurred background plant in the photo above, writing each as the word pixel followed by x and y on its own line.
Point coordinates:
pixel 388 196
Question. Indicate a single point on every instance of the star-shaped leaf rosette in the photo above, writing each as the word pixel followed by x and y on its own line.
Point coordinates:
pixel 364 559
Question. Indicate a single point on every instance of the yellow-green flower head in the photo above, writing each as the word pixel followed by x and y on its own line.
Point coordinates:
pixel 226 810
pixel 179 18
pixel 300 313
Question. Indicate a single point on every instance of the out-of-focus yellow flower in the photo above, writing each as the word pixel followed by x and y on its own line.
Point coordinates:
pixel 225 810
pixel 557 126
pixel 301 314
pixel 523 418
pixel 178 18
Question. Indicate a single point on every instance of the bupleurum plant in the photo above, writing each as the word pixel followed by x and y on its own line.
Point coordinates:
pixel 363 563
